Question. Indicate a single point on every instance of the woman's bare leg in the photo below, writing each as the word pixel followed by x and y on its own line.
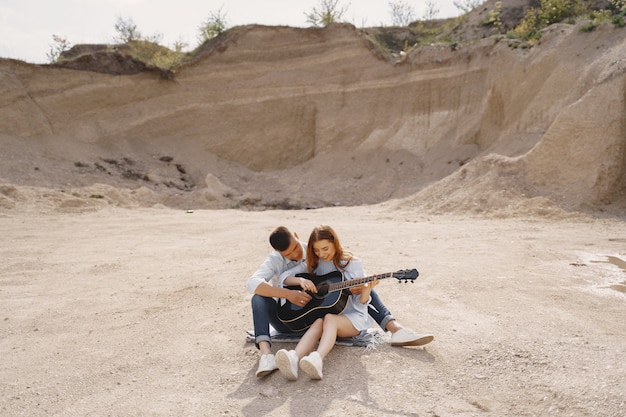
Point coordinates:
pixel 309 339
pixel 333 326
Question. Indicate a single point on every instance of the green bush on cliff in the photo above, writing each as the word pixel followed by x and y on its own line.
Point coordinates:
pixel 556 11
pixel 157 55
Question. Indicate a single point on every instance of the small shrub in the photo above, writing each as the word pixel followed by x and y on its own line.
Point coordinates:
pixel 402 13
pixel 554 11
pixel 550 11
pixel 494 16
pixel 597 17
pixel 618 20
pixel 60 45
pixel 529 28
pixel 126 31
pixel 619 5
pixel 214 25
pixel 588 27
pixel 328 12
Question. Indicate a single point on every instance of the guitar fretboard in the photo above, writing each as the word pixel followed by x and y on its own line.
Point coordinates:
pixel 338 286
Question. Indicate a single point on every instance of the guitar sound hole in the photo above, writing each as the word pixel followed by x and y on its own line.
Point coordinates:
pixel 322 290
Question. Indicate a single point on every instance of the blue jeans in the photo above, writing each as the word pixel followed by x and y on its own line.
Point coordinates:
pixel 379 312
pixel 265 313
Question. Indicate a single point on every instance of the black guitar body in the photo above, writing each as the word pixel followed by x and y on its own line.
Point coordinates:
pixel 300 318
pixel 331 297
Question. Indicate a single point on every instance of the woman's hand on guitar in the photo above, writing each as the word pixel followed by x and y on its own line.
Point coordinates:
pixel 374 283
pixel 359 288
pixel 368 286
pixel 365 292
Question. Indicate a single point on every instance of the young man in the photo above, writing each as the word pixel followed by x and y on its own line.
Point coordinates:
pixel 288 252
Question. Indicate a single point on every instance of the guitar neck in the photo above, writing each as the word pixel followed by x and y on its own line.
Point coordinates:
pixel 338 286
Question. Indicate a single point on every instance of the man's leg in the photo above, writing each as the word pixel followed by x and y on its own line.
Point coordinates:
pixel 400 335
pixel 379 312
pixel 262 309
pixel 264 315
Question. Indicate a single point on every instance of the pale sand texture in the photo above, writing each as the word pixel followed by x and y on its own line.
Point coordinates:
pixel 143 312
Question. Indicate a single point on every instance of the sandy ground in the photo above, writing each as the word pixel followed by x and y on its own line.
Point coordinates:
pixel 143 313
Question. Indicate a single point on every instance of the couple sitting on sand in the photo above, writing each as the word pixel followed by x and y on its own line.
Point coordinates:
pixel 282 279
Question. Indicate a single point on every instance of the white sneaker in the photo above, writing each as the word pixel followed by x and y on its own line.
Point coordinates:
pixel 312 365
pixel 407 337
pixel 287 362
pixel 267 365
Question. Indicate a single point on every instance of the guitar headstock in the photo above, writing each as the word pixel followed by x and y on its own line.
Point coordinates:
pixel 406 275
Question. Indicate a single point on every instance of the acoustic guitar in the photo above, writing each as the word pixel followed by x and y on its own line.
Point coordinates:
pixel 331 297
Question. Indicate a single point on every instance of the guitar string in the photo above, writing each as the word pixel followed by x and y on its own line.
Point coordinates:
pixel 353 282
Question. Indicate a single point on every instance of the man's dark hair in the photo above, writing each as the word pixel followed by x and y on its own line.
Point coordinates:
pixel 280 239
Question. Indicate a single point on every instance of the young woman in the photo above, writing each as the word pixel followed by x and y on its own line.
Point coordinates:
pixel 325 254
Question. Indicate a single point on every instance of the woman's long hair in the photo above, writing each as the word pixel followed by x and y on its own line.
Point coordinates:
pixel 342 258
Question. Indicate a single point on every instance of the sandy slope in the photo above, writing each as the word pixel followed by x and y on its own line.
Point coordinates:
pixel 270 113
pixel 143 312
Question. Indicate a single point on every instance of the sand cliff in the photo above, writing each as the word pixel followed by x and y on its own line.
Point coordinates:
pixel 287 117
